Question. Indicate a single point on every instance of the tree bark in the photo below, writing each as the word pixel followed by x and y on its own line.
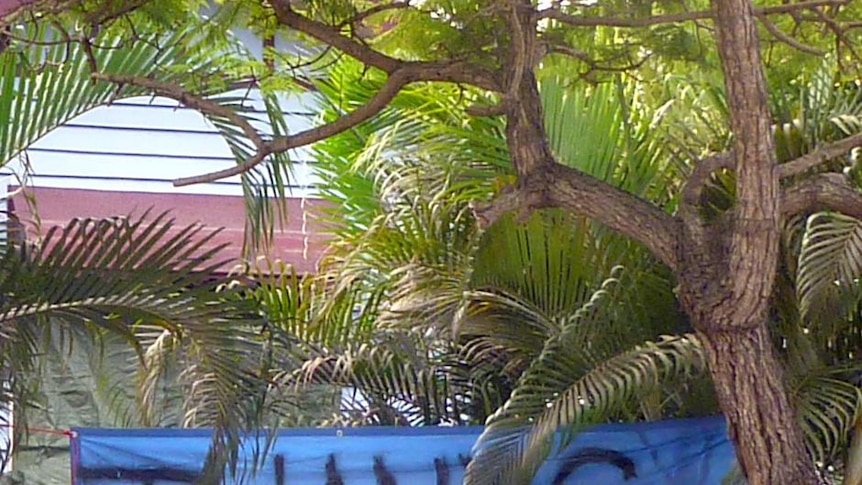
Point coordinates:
pixel 733 315
pixel 750 386
pixel 726 271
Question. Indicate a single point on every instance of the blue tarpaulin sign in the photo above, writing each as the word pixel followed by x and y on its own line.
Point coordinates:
pixel 675 452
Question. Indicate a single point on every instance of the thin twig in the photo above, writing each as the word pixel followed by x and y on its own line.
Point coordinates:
pixel 360 16
pixel 88 53
pixel 781 36
pixel 840 38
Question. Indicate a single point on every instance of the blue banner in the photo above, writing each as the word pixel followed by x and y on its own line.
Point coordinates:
pixel 675 452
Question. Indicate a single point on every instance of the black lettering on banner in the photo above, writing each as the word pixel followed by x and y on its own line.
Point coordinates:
pixel 332 475
pixel 279 469
pixel 384 476
pixel 587 456
pixel 442 469
pixel 145 476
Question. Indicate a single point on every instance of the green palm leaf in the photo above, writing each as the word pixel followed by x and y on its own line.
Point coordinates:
pixel 853 465
pixel 830 263
pixel 44 86
pixel 549 398
pixel 404 383
pixel 828 408
pixel 134 280
pixel 48 83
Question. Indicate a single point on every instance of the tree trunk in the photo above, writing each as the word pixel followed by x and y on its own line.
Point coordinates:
pixel 733 320
pixel 752 393
pixel 726 271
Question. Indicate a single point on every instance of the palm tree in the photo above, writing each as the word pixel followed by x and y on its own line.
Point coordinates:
pixel 152 288
pixel 139 282
pixel 531 325
pixel 429 280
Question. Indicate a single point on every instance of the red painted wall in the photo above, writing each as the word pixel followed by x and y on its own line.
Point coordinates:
pixel 301 243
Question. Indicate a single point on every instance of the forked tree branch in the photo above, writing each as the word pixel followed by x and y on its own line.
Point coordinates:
pixel 401 73
pixel 693 188
pixel 559 186
pixel 829 191
pixel 819 156
pixel 332 36
pixel 787 39
pixel 403 76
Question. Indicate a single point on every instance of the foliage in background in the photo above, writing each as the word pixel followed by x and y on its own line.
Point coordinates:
pixel 517 324
pixel 125 281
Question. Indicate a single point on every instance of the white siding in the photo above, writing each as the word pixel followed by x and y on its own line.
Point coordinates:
pixel 142 144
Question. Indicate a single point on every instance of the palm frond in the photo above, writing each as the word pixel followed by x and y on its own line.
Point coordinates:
pixel 817 111
pixel 547 401
pixel 853 465
pixel 134 279
pixel 48 83
pixel 828 408
pixel 549 396
pixel 830 264
pixel 406 380
pixel 44 86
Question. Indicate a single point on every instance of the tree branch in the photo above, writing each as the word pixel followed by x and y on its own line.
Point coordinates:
pixel 701 173
pixel 675 18
pixel 579 21
pixel 828 191
pixel 756 226
pixel 820 155
pixel 519 53
pixel 544 183
pixel 787 39
pixel 390 89
pixel 840 37
pixel 434 70
pixel 404 75
pixel 188 99
pixel 567 188
pixel 361 16
pixel 521 202
pixel 332 36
